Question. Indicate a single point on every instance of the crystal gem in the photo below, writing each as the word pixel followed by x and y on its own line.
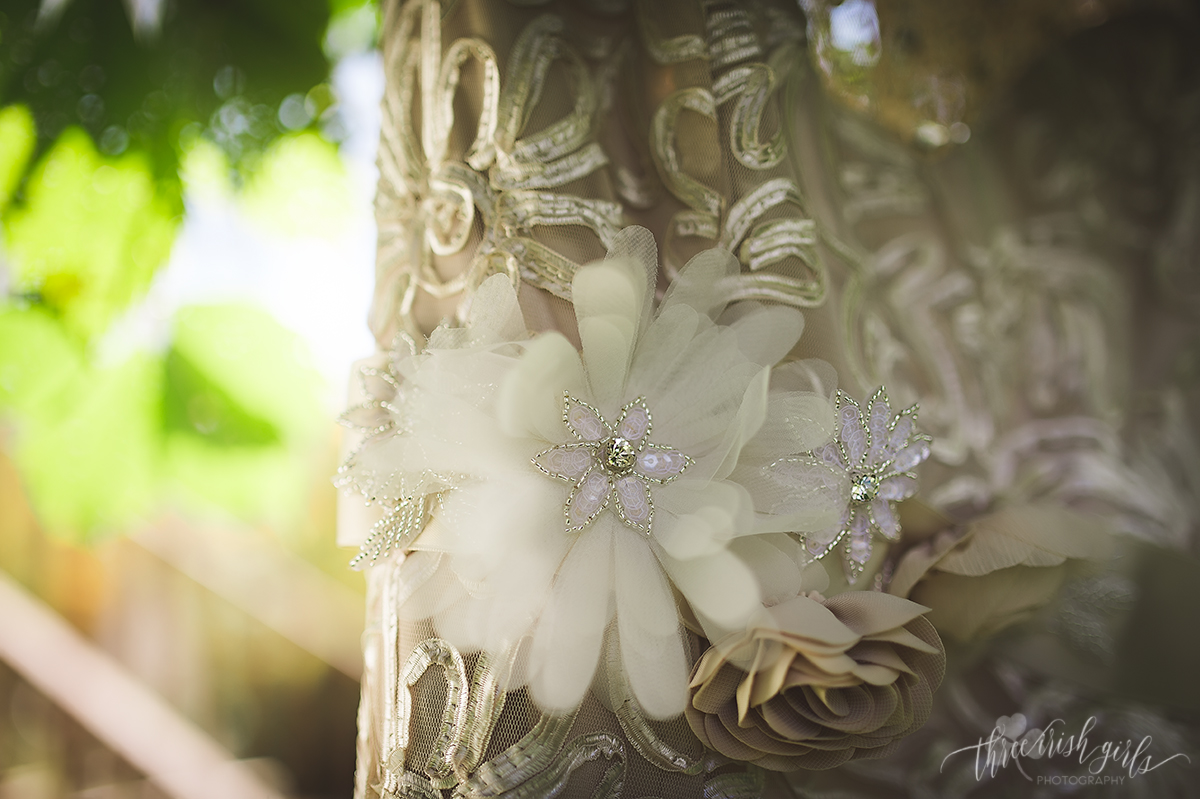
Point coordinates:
pixel 864 488
pixel 619 455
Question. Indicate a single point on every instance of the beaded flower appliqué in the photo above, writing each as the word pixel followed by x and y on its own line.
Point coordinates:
pixel 878 455
pixel 610 465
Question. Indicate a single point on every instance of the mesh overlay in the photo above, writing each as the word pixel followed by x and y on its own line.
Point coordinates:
pixel 522 138
pixel 518 139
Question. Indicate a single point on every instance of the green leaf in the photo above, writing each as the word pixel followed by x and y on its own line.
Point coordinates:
pixel 301 188
pixel 228 418
pixel 353 28
pixel 92 469
pixel 258 362
pixel 348 6
pixel 17 139
pixel 266 484
pixel 90 236
pixel 196 406
pixel 40 368
pixel 240 412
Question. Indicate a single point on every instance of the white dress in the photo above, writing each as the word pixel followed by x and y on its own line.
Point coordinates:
pixel 594 493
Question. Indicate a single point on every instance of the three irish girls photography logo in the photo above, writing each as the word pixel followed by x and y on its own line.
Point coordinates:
pixel 1013 743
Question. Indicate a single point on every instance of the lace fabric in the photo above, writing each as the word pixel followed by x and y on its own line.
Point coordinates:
pixel 520 138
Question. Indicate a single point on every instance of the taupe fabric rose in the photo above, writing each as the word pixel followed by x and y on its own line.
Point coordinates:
pixel 815 682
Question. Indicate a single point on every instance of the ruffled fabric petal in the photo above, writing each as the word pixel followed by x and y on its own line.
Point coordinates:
pixel 795 422
pixel 1002 568
pixel 696 518
pixel 637 245
pixel 703 283
pixel 698 389
pixel 648 627
pixel 495 315
pixel 766 334
pixel 567 640
pixel 723 457
pixel 609 299
pixel 720 588
pixel 661 347
pixel 530 402
pixel 795 494
pixel 777 562
pixel 498 518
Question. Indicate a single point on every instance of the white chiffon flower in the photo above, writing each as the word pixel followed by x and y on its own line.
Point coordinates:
pixel 578 493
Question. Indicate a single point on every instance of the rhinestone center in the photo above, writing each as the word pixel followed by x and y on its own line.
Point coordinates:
pixel 864 488
pixel 618 455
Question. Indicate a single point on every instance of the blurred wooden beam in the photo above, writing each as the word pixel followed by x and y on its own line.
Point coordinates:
pixel 115 707
pixel 256 574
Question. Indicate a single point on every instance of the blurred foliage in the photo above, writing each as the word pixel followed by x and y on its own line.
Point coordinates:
pixel 17 137
pixel 121 403
pixel 104 119
pixel 299 188
pixel 89 235
pixel 218 418
pixel 93 467
pixel 137 85
pixel 237 403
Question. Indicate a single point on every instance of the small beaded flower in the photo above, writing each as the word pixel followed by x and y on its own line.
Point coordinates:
pixel 610 465
pixel 878 455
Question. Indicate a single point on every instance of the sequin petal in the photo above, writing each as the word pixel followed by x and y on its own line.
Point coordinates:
pixel 633 503
pixel 569 462
pixel 660 464
pixel 634 424
pixel 897 488
pixel 584 421
pixel 587 499
pixel 885 519
pixel 854 435
pixel 909 457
